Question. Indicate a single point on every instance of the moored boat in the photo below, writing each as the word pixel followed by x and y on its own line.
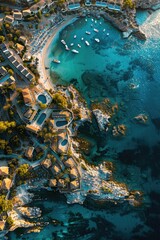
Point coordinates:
pixel 75 51
pixel 87 32
pixel 56 60
pixel 82 38
pixel 96 30
pixel 63 42
pixel 97 40
pixel 79 45
pixel 87 43
pixel 75 36
pixel 66 47
pixel 72 44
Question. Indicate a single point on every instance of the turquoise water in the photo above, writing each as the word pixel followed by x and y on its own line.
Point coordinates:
pixel 109 69
pixel 42 99
pixel 64 142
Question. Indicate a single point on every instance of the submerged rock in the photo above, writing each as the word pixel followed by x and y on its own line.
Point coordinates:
pixel 119 130
pixel 141 118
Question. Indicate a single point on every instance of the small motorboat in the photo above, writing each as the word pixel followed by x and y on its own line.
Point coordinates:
pixel 63 42
pixel 66 47
pixel 97 40
pixel 95 21
pixel 87 43
pixel 92 20
pixel 88 32
pixel 104 30
pixel 86 20
pixel 96 30
pixel 100 23
pixel 56 61
pixel 75 36
pixel 82 39
pixel 91 25
pixel 72 44
pixel 107 34
pixel 79 45
pixel 75 51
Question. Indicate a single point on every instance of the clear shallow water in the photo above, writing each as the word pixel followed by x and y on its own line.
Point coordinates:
pixel 107 70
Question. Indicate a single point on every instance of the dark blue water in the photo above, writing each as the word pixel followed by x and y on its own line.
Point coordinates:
pixel 61 123
pixel 109 69
pixel 41 118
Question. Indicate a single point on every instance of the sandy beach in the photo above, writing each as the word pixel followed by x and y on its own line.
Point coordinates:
pixel 45 73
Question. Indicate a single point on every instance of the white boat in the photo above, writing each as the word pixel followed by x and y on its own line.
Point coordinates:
pixel 100 23
pixel 62 41
pixel 104 30
pixel 87 43
pixel 66 47
pixel 75 51
pixel 86 20
pixel 96 30
pixel 75 36
pixel 107 34
pixel 97 40
pixel 56 61
pixel 92 19
pixel 79 45
pixel 82 39
pixel 88 32
pixel 95 21
pixel 72 44
pixel 91 25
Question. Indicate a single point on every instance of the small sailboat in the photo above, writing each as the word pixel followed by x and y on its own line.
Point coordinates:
pixel 56 60
pixel 96 30
pixel 75 51
pixel 87 32
pixel 97 40
pixel 79 45
pixel 87 43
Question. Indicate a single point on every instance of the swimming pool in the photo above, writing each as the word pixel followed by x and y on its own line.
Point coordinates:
pixel 64 142
pixel 41 118
pixel 74 6
pixel 42 98
pixel 101 4
pixel 61 123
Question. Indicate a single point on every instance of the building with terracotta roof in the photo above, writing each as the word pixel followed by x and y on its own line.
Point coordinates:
pixel 29 152
pixel 55 169
pixel 2 225
pixel 32 128
pixel 61 183
pixel 19 47
pixel 74 185
pixel 52 182
pixel 6 184
pixel 74 173
pixel 4 171
pixel 69 163
pixel 23 40
pixel 28 96
pixel 46 163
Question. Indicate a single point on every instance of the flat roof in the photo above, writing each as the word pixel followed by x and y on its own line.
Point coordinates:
pixel 25 72
pixel 20 67
pixel 11 58
pixel 16 63
pixel 29 76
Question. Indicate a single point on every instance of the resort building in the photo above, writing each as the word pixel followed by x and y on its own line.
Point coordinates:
pixel 17 15
pixel 61 183
pixel 2 225
pixel 9 19
pixel 30 114
pixel 55 169
pixel 29 152
pixel 19 47
pixel 28 97
pixel 23 40
pixel 52 182
pixel 74 185
pixel 73 173
pixel 32 128
pixel 46 163
pixel 26 12
pixel 69 163
pixel 4 171
pixel 6 184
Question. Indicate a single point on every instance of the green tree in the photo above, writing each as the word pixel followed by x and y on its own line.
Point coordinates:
pixel 5 205
pixel 2 39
